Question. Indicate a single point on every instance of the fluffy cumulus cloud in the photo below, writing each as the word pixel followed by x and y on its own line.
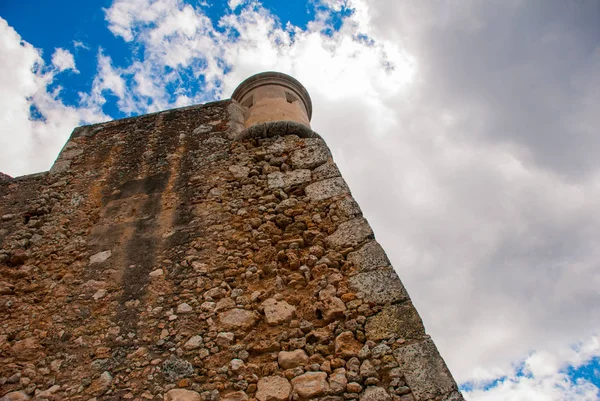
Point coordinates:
pixel 63 60
pixel 34 122
pixel 468 134
pixel 545 375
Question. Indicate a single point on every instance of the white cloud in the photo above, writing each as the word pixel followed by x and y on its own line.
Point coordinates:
pixel 234 4
pixel 80 45
pixel 543 378
pixel 30 143
pixel 63 60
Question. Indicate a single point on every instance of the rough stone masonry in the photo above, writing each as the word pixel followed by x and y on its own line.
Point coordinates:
pixel 207 253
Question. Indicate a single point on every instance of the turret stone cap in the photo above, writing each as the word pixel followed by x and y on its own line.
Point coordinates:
pixel 274 78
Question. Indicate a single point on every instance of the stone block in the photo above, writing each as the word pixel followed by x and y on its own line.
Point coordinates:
pixel 239 171
pixel 282 180
pixel 327 170
pixel 180 394
pixel 369 257
pixel 375 394
pixel 292 359
pixel 235 396
pixel 310 384
pixel 379 286
pixel 325 189
pixel 310 157
pixel 100 257
pixel 238 319
pixel 273 388
pixel 454 396
pixel 277 312
pixel 349 207
pixel 425 372
pixel 350 233
pixel 401 321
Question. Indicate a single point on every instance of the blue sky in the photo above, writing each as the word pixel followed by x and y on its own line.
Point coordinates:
pixel 80 28
pixel 475 124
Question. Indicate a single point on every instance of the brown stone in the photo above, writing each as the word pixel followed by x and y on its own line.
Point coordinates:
pixel 273 388
pixel 291 359
pixel 311 384
pixel 180 394
pixel 100 385
pixel 238 319
pixel 277 312
pixel 333 307
pixel 338 381
pixel 26 349
pixel 375 394
pixel 15 396
pixel 346 345
pixel 6 288
pixel 235 396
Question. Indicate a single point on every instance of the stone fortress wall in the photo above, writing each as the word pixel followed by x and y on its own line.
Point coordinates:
pixel 207 253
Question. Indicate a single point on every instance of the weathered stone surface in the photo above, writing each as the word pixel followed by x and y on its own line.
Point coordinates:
pixel 5 177
pixel 325 189
pixel 100 257
pixel 333 307
pixel 151 255
pixel 291 359
pixel 6 288
pixel 179 394
pixel 367 369
pixel 277 312
pixel 379 286
pixel 346 345
pixel 184 308
pixel 327 170
pixel 235 396
pixel 370 256
pixel 174 368
pixel 194 342
pixel 338 381
pixel 454 396
pixel 354 387
pixel 239 171
pixel 100 385
pixel 26 349
pixel 282 180
pixel 310 157
pixel 424 370
pixel 203 129
pixel 310 384
pixel 375 394
pixel 350 233
pixel 15 396
pixel 349 208
pixel 401 321
pixel 273 388
pixel 238 319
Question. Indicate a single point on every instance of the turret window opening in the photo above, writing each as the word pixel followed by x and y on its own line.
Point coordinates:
pixel 290 98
